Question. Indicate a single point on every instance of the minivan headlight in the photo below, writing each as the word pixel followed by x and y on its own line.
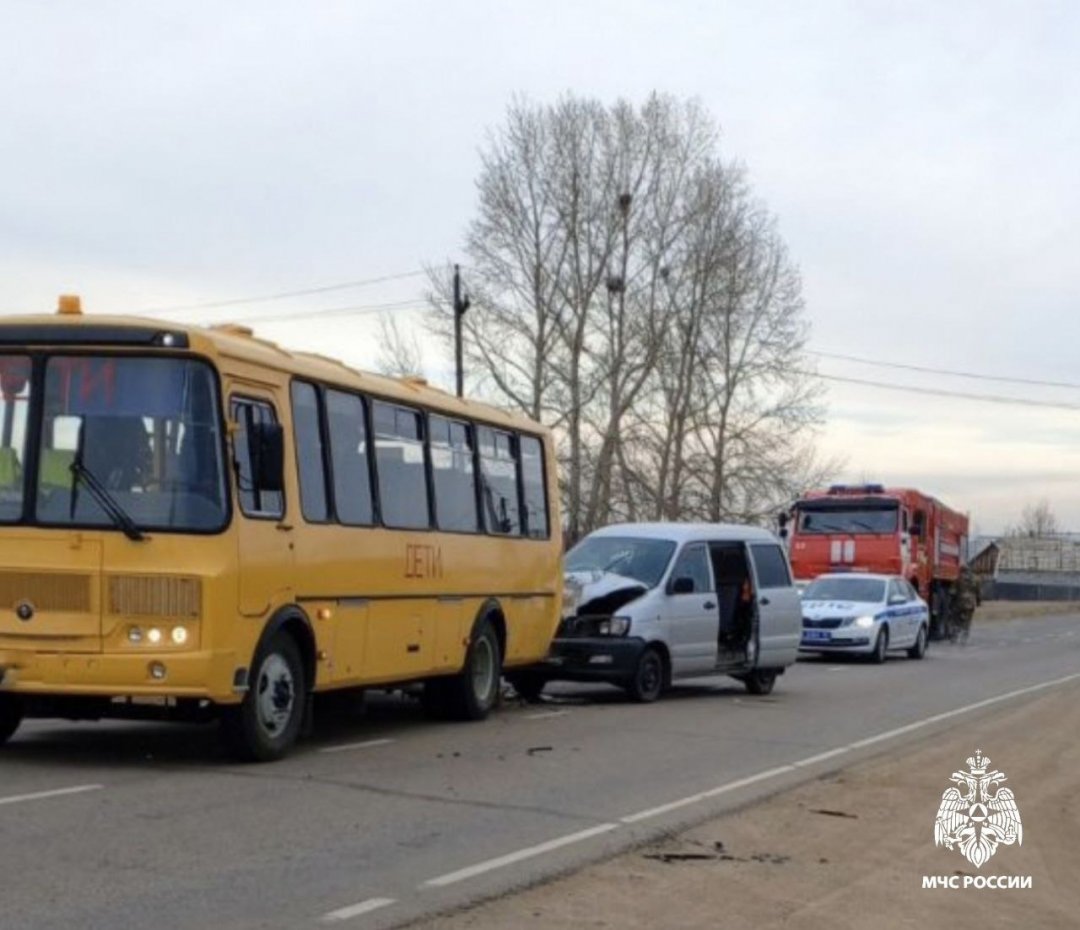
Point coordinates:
pixel 613 626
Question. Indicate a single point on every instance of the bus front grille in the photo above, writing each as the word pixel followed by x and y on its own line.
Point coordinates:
pixel 154 596
pixel 53 591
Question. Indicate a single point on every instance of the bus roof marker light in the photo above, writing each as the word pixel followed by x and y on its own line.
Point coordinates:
pixel 70 305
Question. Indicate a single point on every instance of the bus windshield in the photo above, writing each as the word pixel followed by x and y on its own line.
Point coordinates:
pixel 146 429
pixel 855 520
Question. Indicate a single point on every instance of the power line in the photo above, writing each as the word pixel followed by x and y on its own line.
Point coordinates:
pixel 354 310
pixel 284 295
pixel 944 371
pixel 941 392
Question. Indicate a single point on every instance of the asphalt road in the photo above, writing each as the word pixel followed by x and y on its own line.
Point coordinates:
pixel 384 816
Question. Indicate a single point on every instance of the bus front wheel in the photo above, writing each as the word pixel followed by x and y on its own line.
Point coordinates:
pixel 267 722
pixel 11 715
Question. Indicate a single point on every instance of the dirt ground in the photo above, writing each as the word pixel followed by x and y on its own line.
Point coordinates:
pixel 848 850
pixel 1016 610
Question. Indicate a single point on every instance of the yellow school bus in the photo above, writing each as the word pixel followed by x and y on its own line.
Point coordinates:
pixel 195 522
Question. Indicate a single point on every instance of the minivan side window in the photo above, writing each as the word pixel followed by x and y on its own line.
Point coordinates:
pixel 772 569
pixel 693 563
pixel 254 500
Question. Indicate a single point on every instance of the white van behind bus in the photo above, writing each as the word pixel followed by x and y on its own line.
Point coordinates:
pixel 647 604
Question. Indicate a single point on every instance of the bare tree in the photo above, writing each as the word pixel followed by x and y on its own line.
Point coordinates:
pixel 628 291
pixel 1037 520
pixel 399 354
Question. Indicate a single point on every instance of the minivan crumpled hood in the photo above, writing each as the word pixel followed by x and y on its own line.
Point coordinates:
pixel 602 593
pixel 821 610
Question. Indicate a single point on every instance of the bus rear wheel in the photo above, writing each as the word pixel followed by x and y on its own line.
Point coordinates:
pixel 11 715
pixel 267 722
pixel 471 694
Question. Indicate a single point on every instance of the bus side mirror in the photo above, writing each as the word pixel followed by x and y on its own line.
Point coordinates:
pixel 267 445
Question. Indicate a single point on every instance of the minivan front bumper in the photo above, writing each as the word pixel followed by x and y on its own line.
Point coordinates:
pixel 592 658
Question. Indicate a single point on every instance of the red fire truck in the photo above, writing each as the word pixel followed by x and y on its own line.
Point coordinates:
pixel 871 528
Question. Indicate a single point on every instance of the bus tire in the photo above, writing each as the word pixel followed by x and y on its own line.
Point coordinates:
pixel 471 694
pixel 11 715
pixel 266 724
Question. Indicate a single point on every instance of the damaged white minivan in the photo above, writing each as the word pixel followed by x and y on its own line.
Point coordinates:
pixel 651 603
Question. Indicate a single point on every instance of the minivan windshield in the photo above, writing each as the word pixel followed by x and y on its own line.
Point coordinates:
pixel 845 589
pixel 147 430
pixel 644 560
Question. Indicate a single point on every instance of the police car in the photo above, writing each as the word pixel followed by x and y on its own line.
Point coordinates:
pixel 864 614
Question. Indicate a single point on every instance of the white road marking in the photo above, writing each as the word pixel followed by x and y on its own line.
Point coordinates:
pixel 366 744
pixel 838 668
pixel 821 757
pixel 546 715
pixel 704 795
pixel 355 910
pixel 510 858
pixel 55 793
pixel 956 712
pixel 530 852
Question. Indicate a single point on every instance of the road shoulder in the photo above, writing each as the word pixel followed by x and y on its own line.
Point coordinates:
pixel 847 850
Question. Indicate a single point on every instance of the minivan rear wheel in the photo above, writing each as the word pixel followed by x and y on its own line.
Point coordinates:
pixel 760 681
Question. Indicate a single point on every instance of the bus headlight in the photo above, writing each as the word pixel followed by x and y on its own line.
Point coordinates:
pixel 179 635
pixel 135 634
pixel 154 636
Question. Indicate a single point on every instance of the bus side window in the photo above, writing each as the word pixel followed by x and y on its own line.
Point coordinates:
pixel 309 453
pixel 534 488
pixel 349 458
pixel 453 474
pixel 254 501
pixel 399 457
pixel 499 481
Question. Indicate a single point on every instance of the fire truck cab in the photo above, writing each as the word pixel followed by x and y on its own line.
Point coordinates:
pixel 871 528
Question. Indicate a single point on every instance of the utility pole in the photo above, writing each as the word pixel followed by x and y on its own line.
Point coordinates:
pixel 461 304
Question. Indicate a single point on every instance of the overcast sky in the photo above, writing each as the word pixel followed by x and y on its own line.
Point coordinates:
pixel 923 160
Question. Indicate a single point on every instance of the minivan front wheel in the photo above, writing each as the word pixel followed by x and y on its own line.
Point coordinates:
pixel 648 678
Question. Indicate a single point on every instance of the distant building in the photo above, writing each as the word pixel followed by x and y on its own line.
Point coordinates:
pixel 1022 568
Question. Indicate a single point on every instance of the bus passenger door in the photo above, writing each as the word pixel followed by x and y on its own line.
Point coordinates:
pixel 265 536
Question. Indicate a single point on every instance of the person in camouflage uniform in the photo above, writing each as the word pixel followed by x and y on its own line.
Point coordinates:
pixel 965 598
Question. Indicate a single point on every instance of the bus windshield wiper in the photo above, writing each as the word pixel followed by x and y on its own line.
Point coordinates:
pixel 108 503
